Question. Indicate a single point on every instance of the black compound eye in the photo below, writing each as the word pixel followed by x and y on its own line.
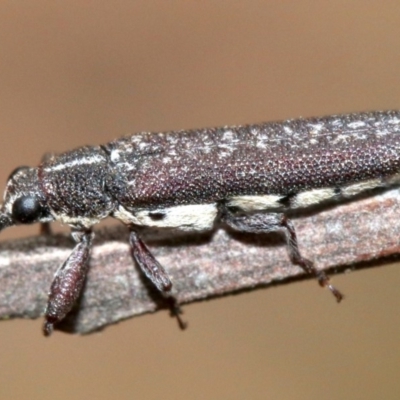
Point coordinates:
pixel 26 209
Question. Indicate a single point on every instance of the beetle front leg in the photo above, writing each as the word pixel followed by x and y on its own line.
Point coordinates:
pixel 264 223
pixel 45 229
pixel 68 281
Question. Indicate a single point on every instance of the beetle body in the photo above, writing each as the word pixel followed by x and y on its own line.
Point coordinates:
pixel 248 177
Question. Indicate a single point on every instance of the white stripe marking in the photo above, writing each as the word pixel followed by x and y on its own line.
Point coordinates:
pixel 253 203
pixel 197 217
pixel 359 187
pixel 311 197
pixel 81 161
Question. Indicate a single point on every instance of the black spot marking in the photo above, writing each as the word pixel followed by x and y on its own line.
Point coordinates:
pixel 287 200
pixel 337 191
pixel 157 215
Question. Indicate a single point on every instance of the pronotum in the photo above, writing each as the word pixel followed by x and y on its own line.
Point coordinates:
pixel 248 178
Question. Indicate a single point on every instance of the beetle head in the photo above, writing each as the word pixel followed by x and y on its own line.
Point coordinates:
pixel 24 201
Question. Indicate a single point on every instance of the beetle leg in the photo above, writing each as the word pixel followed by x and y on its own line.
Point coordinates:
pixel 156 273
pixel 176 311
pixel 68 281
pixel 148 264
pixel 264 223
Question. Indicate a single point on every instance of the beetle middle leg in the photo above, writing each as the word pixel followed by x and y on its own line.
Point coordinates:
pixel 155 272
pixel 148 264
pixel 272 222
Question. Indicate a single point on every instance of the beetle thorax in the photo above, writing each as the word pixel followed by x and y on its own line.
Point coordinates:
pixel 74 186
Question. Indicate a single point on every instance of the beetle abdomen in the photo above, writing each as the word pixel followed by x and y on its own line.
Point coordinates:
pixel 280 159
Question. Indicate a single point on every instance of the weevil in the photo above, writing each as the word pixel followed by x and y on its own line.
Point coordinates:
pixel 246 177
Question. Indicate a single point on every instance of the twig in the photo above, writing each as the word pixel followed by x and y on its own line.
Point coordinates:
pixel 201 267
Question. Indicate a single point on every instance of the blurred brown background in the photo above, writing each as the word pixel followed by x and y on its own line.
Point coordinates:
pixel 80 72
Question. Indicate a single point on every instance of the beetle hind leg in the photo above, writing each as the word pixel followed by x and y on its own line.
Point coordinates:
pixel 304 263
pixel 264 223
